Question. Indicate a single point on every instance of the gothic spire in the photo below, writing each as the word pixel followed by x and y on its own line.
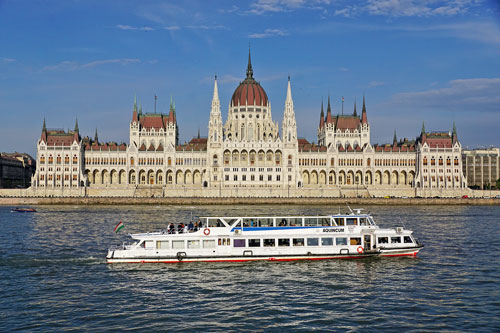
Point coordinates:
pixel 249 67
pixel 322 117
pixel 135 102
pixel 76 125
pixel 216 91
pixel 395 139
pixel 423 128
pixel 289 91
pixel 44 127
pixel 355 113
pixel 454 136
pixel 328 108
pixel 364 118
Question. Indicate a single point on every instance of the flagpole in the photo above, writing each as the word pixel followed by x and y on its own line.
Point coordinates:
pixel 156 97
pixel 342 105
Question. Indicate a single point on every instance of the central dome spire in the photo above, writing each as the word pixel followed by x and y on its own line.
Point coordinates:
pixel 249 67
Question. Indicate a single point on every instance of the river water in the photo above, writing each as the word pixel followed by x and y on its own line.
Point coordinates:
pixel 53 276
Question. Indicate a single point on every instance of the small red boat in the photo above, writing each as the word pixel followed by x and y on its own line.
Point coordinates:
pixel 24 210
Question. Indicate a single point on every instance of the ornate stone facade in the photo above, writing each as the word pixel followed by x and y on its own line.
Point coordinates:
pixel 248 156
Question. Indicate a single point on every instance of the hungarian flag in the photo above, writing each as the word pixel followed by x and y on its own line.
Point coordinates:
pixel 119 226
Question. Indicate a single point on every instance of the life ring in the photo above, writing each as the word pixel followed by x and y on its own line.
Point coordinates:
pixel 206 231
pixel 360 249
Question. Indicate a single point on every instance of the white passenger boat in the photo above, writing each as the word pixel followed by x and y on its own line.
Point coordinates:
pixel 280 238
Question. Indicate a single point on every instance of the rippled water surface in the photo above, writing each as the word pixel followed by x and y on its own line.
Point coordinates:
pixel 53 276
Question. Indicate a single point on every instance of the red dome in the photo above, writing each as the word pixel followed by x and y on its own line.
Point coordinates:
pixel 249 92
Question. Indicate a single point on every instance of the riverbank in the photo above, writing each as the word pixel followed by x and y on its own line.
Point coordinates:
pixel 20 201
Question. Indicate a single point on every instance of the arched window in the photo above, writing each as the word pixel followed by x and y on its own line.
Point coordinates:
pixel 425 160
pixel 368 162
pixel 215 159
pixel 66 159
pixel 440 161
pixel 433 161
pixel 58 160
pixel 132 162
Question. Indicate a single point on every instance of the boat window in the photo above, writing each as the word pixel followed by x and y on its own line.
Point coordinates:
pixel 341 240
pixel 265 222
pixel 250 222
pixel 328 241
pixel 298 242
pixel 162 245
pixel 270 242
pixel 383 240
pixel 224 241
pixel 311 221
pixel 193 244
pixel 282 222
pixel 213 223
pixel 150 244
pixel 396 239
pixel 294 221
pixel 351 221
pixel 312 242
pixel 363 221
pixel 239 243
pixel 143 244
pixel 177 244
pixel 283 241
pixel 355 240
pixel 324 221
pixel 407 239
pixel 254 243
pixel 208 243
pixel 339 221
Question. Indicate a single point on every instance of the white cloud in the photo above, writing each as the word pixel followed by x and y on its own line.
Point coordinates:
pixel 461 95
pixel 172 28
pixel 269 33
pixel 6 60
pixel 206 27
pixel 272 6
pixel 343 69
pixel 129 27
pixel 73 65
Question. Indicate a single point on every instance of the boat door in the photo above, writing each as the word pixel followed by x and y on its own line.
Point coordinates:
pixel 368 242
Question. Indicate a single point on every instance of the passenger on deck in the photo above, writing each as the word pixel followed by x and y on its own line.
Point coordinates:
pixel 283 223
pixel 251 223
pixel 180 228
pixel 219 223
pixel 185 230
pixel 190 226
pixel 171 228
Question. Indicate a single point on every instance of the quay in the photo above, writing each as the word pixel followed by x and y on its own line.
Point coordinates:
pixel 18 201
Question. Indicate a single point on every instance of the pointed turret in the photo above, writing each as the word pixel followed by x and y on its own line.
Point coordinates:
pixel 321 117
pixel 364 118
pixel 454 135
pixel 198 132
pixel 249 67
pixel 44 131
pixel 395 139
pixel 135 103
pixel 423 135
pixel 96 138
pixel 328 112
pixel 355 114
pixel 215 98
pixel 76 126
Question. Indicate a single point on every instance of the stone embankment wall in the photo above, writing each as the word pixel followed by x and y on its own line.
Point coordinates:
pixel 18 201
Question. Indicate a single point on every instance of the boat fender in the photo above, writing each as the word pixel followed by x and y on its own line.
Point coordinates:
pixel 206 231
pixel 360 249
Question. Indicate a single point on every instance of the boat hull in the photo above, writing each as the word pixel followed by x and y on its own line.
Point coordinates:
pixel 178 259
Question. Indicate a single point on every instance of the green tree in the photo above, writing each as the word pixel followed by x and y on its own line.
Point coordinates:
pixel 498 184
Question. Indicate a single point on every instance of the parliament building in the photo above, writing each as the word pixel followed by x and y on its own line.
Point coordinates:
pixel 249 155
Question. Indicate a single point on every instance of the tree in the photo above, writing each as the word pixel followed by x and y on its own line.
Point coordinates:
pixel 498 184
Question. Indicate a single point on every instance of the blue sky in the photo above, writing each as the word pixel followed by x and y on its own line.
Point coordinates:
pixel 428 60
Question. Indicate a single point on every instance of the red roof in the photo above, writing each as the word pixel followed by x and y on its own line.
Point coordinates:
pixel 347 122
pixel 249 92
pixel 58 138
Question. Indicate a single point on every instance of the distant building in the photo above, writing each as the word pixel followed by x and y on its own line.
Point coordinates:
pixel 250 155
pixel 481 167
pixel 16 170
